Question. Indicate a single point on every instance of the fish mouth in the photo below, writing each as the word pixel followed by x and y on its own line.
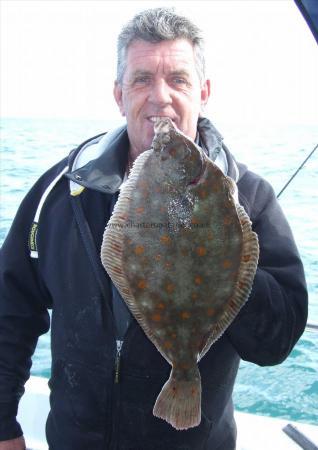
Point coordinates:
pixel 155 119
pixel 162 124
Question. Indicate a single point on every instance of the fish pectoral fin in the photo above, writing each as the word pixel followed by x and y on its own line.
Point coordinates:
pixel 179 402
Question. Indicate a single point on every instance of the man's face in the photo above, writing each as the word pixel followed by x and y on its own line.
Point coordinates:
pixel 160 80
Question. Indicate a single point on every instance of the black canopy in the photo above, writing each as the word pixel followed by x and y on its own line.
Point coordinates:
pixel 309 9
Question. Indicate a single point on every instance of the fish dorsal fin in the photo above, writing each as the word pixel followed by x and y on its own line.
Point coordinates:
pixel 243 287
pixel 113 241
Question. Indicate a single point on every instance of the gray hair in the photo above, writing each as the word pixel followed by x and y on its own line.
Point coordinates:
pixel 156 25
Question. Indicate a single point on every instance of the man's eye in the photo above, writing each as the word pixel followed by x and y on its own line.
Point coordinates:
pixel 142 80
pixel 180 81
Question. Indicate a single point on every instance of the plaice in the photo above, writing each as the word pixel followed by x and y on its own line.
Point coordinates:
pixel 182 253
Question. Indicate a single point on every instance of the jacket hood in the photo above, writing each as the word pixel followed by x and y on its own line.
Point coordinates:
pixel 100 162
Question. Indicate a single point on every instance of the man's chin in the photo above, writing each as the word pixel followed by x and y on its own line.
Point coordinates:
pixel 135 153
pixel 148 142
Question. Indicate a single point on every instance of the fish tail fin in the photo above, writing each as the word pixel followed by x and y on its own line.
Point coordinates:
pixel 179 402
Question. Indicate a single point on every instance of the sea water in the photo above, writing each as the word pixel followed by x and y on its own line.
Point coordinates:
pixel 289 390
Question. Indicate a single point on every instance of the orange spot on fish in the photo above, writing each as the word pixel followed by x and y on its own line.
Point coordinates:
pixel 169 288
pixel 227 220
pixel 139 250
pixel 226 264
pixel 202 193
pixel 142 284
pixel 185 315
pixel 168 344
pixel 193 391
pixel 185 366
pixel 201 251
pixel 161 306
pixel 195 220
pixel 194 296
pixel 210 312
pixel 156 317
pixel 198 280
pixel 173 335
pixel 165 239
pixel 157 257
pixel 140 210
pixel 168 264
pixel 246 258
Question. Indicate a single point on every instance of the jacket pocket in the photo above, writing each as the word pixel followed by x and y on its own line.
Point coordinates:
pixel 79 395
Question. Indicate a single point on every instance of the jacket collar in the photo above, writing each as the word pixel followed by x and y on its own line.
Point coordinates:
pixel 100 163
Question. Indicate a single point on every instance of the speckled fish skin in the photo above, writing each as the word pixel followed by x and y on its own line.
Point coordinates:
pixel 183 256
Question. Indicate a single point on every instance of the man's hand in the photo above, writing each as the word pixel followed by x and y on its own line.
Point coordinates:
pixel 13 444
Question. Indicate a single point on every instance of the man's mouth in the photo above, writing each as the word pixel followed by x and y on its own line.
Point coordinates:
pixel 154 119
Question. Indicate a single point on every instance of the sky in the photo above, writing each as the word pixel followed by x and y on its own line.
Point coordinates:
pixel 58 58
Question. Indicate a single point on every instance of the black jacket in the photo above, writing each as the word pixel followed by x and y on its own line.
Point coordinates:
pixel 97 401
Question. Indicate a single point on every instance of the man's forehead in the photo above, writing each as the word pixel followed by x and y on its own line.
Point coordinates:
pixel 169 70
pixel 178 48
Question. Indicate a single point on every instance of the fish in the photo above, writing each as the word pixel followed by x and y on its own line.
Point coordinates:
pixel 181 251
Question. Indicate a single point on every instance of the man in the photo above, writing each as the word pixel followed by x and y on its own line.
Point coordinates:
pixel 106 374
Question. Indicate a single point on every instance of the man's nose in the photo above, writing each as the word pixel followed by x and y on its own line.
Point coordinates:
pixel 160 93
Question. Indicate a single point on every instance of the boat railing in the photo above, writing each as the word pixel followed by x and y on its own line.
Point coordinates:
pixel 312 326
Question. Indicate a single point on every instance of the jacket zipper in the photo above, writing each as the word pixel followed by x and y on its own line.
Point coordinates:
pixel 91 251
pixel 119 345
pixel 116 398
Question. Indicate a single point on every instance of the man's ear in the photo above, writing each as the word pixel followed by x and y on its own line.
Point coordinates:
pixel 205 92
pixel 118 96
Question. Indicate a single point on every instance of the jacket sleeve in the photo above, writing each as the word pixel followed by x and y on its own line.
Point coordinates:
pixel 275 315
pixel 23 313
